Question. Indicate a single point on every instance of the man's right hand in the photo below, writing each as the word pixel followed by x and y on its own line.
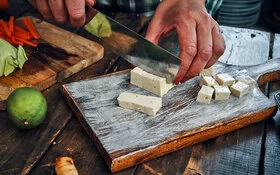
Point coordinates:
pixel 63 10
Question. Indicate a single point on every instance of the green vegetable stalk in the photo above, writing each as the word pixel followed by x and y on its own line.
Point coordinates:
pixel 10 58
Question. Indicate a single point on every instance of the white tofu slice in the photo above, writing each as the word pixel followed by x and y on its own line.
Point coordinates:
pixel 239 89
pixel 208 81
pixel 221 92
pixel 225 79
pixel 142 103
pixel 247 80
pixel 152 83
pixel 205 94
pixel 208 72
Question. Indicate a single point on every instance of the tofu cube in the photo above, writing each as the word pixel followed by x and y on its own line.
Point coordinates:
pixel 225 79
pixel 208 81
pixel 152 83
pixel 208 72
pixel 247 80
pixel 205 94
pixel 142 103
pixel 239 89
pixel 221 92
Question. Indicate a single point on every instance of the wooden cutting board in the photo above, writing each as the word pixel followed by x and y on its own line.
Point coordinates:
pixel 59 54
pixel 125 137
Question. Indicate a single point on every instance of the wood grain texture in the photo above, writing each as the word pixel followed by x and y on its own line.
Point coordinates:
pixel 59 54
pixel 276 46
pixel 125 137
pixel 237 152
pixel 244 45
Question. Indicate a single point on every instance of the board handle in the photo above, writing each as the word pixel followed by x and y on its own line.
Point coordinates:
pixel 267 72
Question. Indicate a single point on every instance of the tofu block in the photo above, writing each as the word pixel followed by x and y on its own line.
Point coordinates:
pixel 205 94
pixel 208 72
pixel 208 81
pixel 221 92
pixel 142 103
pixel 239 89
pixel 152 83
pixel 247 80
pixel 225 79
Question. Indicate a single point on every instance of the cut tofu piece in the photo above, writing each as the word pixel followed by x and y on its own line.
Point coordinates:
pixel 208 81
pixel 205 94
pixel 247 80
pixel 221 92
pixel 239 89
pixel 142 103
pixel 225 79
pixel 208 72
pixel 152 83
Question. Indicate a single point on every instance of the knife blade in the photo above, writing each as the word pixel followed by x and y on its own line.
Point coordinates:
pixel 131 46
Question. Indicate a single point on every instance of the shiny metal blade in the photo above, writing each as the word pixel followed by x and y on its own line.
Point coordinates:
pixel 132 46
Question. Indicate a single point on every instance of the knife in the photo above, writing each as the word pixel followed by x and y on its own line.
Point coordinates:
pixel 131 46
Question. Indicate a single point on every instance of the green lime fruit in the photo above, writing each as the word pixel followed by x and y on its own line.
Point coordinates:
pixel 26 107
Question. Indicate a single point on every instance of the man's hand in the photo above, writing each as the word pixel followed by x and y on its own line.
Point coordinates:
pixel 200 40
pixel 63 10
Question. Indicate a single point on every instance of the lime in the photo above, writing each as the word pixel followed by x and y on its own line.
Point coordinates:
pixel 26 107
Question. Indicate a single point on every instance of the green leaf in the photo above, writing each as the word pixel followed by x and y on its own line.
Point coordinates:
pixel 21 57
pixel 9 66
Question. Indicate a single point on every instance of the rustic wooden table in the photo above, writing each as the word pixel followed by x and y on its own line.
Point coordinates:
pixel 252 150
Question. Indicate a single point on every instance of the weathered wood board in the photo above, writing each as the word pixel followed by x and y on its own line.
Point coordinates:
pixel 247 44
pixel 59 54
pixel 125 137
pixel 276 46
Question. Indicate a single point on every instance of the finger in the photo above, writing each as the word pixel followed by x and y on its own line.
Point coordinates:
pixel 205 46
pixel 76 11
pixel 44 9
pixel 154 31
pixel 90 2
pixel 188 47
pixel 219 46
pixel 58 10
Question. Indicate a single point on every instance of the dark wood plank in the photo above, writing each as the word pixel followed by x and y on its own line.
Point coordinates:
pixel 15 142
pixel 272 142
pixel 235 153
pixel 174 163
pixel 125 140
pixel 75 143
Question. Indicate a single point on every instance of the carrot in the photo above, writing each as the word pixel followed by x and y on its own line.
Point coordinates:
pixel 11 24
pixel 12 41
pixel 26 42
pixel 29 25
pixel 4 4
pixel 21 35
pixel 6 28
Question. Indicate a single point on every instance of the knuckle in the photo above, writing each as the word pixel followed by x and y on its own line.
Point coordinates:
pixel 191 50
pixel 76 13
pixel 205 54
pixel 219 50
